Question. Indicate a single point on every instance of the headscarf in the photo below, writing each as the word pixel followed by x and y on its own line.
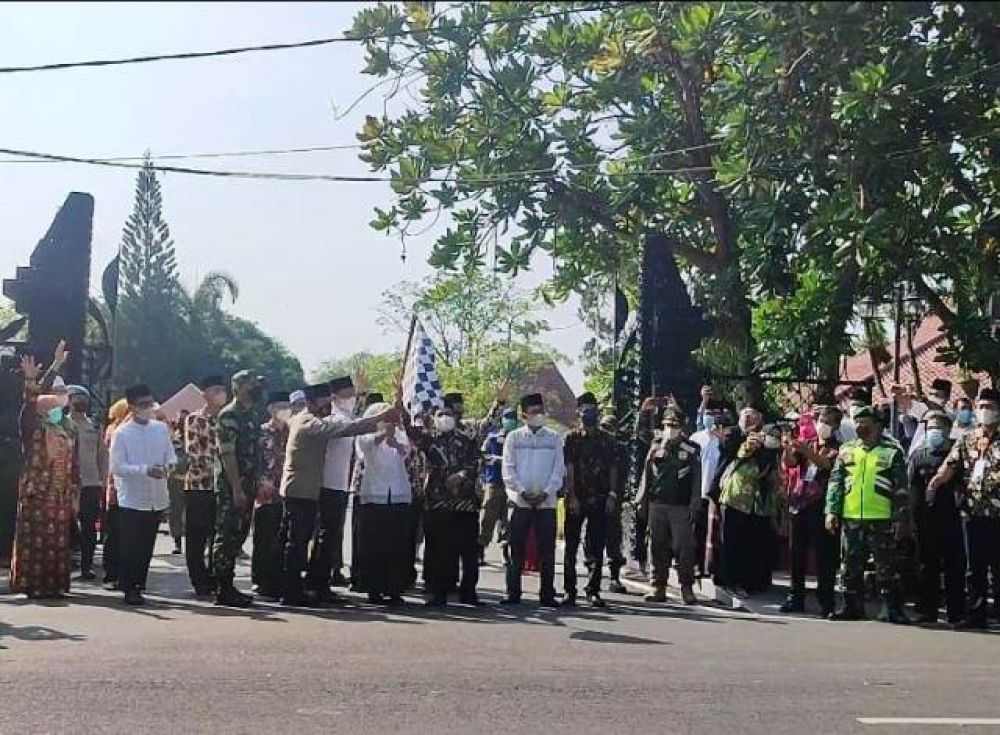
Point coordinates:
pixel 118 413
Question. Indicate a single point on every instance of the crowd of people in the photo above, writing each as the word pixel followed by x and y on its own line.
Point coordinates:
pixel 898 500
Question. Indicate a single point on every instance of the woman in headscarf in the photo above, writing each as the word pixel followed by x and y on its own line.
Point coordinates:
pixel 40 566
pixel 118 414
pixel 385 525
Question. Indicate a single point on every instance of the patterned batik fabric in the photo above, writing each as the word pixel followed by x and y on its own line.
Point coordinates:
pixel 976 457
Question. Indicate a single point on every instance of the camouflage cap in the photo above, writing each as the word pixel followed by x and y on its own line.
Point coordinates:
pixel 674 415
pixel 243 377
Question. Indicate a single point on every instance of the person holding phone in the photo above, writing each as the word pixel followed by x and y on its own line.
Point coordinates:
pixel 142 455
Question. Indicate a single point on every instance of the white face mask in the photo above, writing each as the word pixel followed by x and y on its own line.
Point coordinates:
pixel 62 400
pixel 444 423
pixel 671 433
pixel 536 421
pixel 824 431
pixel 346 405
pixel 772 442
pixel 143 414
pixel 988 416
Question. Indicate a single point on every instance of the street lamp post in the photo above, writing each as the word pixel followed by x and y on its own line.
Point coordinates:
pixel 904 308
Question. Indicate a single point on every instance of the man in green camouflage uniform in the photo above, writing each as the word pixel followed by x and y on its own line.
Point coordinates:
pixel 868 498
pixel 239 447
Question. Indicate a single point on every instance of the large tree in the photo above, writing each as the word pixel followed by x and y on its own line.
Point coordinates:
pixel 792 150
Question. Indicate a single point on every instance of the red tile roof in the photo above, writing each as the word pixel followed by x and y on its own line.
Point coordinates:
pixel 928 341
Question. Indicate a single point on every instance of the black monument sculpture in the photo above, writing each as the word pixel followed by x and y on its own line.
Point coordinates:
pixel 51 295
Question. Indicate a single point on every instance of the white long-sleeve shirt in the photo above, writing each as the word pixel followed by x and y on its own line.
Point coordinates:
pixel 533 461
pixel 134 449
pixel 384 480
pixel 711 453
pixel 337 462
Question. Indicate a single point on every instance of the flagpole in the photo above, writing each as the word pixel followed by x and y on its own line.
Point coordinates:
pixel 406 357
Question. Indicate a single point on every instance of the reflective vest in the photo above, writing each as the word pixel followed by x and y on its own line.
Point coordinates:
pixel 868 483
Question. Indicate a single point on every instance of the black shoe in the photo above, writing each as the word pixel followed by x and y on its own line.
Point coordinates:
pixel 438 601
pixel 327 597
pixel 511 601
pixel 268 593
pixel 232 597
pixel 339 580
pixel 595 600
pixel 472 600
pixel 549 602
pixel 793 605
pixel 971 623
pixel 88 575
pixel 617 587
pixel 926 618
pixel 826 611
pixel 112 585
pixel 299 601
pixel 376 598
pixel 569 600
pixel 177 550
pixel 892 614
pixel 134 597
pixel 848 611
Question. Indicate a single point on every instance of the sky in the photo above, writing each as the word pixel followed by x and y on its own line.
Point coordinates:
pixel 310 269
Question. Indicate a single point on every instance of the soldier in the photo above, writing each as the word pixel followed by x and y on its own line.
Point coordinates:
pixel 670 501
pixel 239 449
pixel 939 525
pixel 591 477
pixel 868 497
pixel 615 536
pixel 975 462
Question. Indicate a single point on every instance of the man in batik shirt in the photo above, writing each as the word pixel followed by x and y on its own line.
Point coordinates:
pixel 265 565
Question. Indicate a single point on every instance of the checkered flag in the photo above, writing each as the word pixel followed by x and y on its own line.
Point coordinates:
pixel 422 391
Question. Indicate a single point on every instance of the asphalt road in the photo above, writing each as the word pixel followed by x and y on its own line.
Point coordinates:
pixel 89 664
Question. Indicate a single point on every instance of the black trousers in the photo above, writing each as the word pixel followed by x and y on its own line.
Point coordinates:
pixel 90 511
pixel 299 521
pixel 522 520
pixel 597 531
pixel 747 550
pixel 807 531
pixel 112 544
pixel 983 536
pixel 941 549
pixel 701 539
pixel 199 531
pixel 451 541
pixel 265 564
pixel 327 555
pixel 640 536
pixel 613 542
pixel 138 537
pixel 356 583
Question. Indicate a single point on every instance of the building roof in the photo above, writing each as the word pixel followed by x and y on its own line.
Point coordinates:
pixel 929 340
pixel 560 401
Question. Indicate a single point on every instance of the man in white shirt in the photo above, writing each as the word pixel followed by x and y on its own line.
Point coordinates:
pixel 142 455
pixel 533 472
pixel 327 558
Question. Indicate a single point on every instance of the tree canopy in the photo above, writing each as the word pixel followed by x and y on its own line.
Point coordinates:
pixel 802 156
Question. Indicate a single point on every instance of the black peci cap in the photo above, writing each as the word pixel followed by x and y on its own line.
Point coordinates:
pixel 587 399
pixel 531 400
pixel 341 383
pixel 278 396
pixel 212 381
pixel 137 392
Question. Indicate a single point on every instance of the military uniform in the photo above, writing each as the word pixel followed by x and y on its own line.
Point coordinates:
pixel 239 434
pixel 671 493
pixel 976 460
pixel 868 492
pixel 940 542
pixel 593 455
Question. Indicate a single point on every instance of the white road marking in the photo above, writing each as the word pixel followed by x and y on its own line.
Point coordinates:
pixel 955 721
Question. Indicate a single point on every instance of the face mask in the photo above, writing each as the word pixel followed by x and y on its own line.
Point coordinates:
pixel 54 416
pixel 143 414
pixel 444 423
pixel 590 417
pixel 964 416
pixel 536 421
pixel 346 404
pixel 62 400
pixel 824 432
pixel 772 442
pixel 708 420
pixel 256 393
pixel 935 437
pixel 284 414
pixel 509 424
pixel 671 433
pixel 988 416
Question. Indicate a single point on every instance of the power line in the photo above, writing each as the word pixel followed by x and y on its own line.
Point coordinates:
pixel 189 156
pixel 285 46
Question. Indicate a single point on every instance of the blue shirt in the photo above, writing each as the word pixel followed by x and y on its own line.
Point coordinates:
pixel 493 447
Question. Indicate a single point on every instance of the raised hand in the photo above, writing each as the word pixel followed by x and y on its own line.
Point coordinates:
pixel 60 356
pixel 30 368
